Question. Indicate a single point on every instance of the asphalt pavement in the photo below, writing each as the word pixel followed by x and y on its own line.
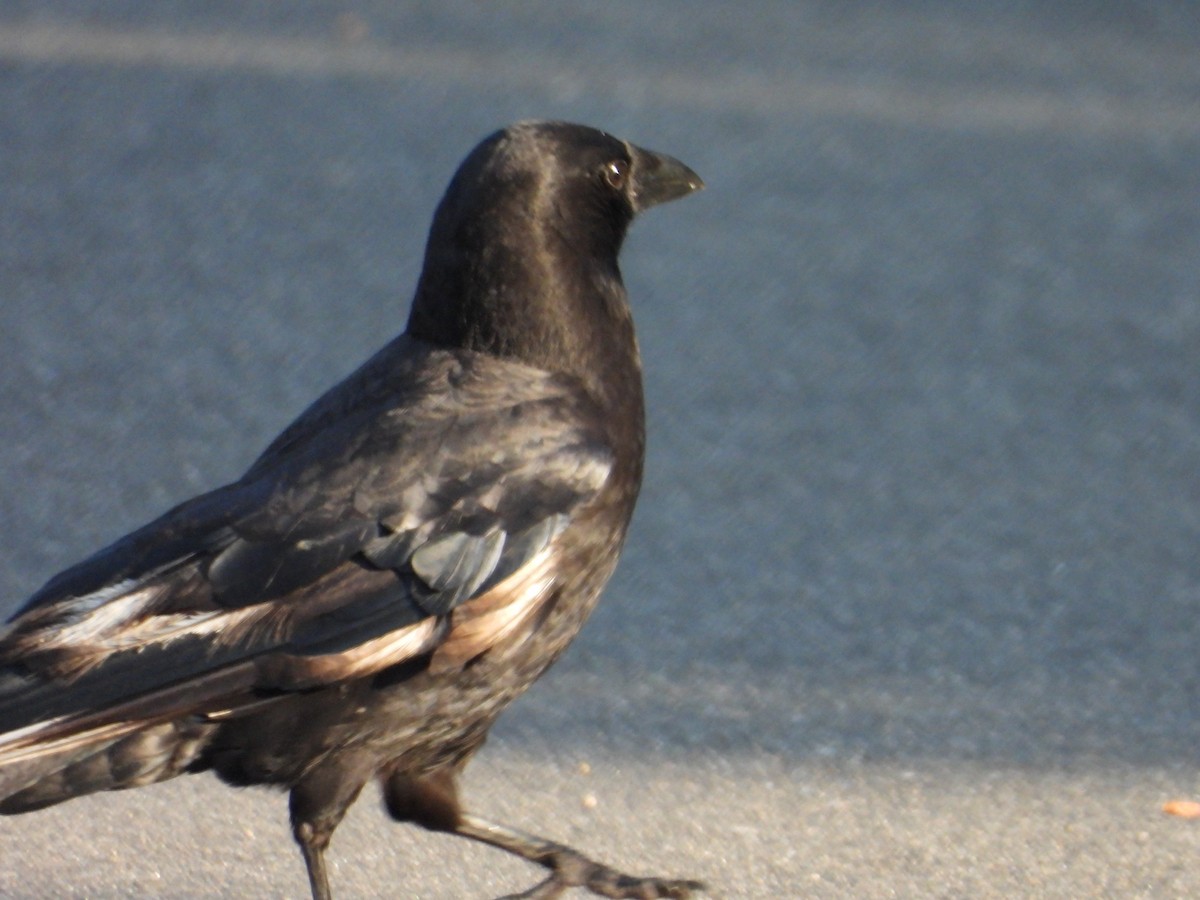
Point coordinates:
pixel 910 604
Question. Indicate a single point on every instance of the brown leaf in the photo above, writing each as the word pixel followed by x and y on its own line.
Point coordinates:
pixel 1185 809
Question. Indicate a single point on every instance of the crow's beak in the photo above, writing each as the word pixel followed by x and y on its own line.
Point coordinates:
pixel 658 178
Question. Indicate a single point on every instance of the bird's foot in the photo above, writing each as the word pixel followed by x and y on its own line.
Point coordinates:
pixel 572 869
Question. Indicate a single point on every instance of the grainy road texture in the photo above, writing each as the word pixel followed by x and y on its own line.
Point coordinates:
pixel 910 604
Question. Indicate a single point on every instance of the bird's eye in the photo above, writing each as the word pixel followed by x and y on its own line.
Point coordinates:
pixel 615 173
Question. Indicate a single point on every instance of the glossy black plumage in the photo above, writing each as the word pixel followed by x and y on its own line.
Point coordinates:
pixel 402 561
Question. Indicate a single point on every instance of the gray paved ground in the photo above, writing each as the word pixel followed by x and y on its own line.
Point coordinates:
pixel 910 605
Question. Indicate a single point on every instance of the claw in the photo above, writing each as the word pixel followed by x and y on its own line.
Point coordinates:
pixel 571 868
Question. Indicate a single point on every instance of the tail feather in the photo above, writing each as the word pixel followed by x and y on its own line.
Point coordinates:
pixel 147 739
pixel 109 758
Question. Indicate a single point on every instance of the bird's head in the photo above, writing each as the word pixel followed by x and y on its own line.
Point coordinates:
pixel 523 250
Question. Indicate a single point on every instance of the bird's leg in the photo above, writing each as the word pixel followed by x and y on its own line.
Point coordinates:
pixel 314 859
pixel 318 802
pixel 432 802
pixel 570 868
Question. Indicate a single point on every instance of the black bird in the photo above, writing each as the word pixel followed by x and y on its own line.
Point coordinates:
pixel 403 561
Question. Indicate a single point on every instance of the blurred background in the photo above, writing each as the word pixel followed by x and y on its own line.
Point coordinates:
pixel 910 605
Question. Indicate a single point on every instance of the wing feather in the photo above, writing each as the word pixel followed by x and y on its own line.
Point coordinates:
pixel 414 510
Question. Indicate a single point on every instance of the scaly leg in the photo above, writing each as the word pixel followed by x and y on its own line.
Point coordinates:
pixel 570 868
pixel 432 802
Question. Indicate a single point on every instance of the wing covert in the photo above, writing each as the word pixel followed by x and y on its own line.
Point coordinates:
pixel 351 545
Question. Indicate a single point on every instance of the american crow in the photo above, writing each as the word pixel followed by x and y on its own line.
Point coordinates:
pixel 401 562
